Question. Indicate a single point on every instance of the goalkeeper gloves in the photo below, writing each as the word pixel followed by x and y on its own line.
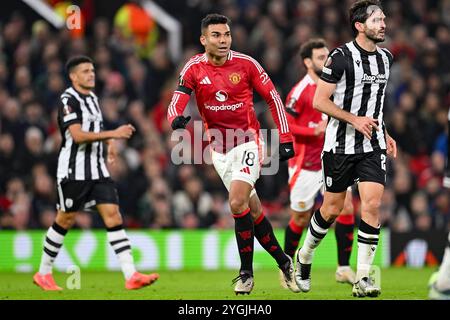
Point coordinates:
pixel 180 122
pixel 286 151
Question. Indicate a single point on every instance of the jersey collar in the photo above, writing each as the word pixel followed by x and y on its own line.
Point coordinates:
pixel 363 50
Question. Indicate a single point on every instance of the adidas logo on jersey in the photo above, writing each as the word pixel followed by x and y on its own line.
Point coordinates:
pixel 205 80
pixel 245 170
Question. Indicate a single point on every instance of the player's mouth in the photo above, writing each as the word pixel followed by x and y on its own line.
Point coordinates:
pixel 223 49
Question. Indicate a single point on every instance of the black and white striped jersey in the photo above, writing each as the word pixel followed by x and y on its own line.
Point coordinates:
pixel 84 161
pixel 361 78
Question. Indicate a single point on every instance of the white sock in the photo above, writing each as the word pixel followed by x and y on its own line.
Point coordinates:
pixel 317 230
pixel 443 280
pixel 118 239
pixel 367 247
pixel 53 242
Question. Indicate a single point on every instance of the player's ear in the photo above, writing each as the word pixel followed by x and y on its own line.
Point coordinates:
pixel 72 76
pixel 359 26
pixel 308 62
pixel 203 39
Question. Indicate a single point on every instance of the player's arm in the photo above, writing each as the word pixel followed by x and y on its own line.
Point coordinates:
pixel 304 131
pixel 332 72
pixel 264 86
pixel 391 145
pixel 299 130
pixel 112 151
pixel 79 136
pixel 70 116
pixel 180 99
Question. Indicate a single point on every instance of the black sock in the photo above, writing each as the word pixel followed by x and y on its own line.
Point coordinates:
pixel 266 237
pixel 292 236
pixel 344 240
pixel 243 227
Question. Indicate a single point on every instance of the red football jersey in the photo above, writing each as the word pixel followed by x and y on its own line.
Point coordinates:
pixel 225 98
pixel 303 119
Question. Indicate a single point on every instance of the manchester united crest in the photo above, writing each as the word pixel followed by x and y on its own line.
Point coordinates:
pixel 235 78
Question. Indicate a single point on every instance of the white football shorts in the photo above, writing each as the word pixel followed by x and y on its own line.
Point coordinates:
pixel 243 163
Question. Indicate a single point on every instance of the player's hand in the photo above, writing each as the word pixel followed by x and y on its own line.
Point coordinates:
pixel 180 122
pixel 321 127
pixel 365 125
pixel 286 151
pixel 124 132
pixel 391 146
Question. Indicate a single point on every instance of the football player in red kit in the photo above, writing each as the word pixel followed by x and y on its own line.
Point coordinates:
pixel 305 169
pixel 223 81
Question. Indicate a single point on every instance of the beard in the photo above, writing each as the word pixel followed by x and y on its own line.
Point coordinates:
pixel 372 36
pixel 317 71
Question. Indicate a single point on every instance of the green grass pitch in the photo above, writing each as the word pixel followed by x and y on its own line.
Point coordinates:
pixel 396 283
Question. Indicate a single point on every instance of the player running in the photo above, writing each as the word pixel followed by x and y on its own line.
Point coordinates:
pixel 223 81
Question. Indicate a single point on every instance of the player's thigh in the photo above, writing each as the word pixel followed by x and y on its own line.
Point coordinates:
pixel 72 195
pixel 233 165
pixel 305 189
pixel 222 167
pixel 372 167
pixel 338 171
pixel 245 163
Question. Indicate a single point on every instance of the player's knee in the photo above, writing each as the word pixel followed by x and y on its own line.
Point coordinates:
pixel 371 206
pixel 301 219
pixel 331 211
pixel 112 218
pixel 348 209
pixel 238 204
pixel 66 220
pixel 255 214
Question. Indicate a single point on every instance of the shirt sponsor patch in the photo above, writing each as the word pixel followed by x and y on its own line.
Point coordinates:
pixel 326 70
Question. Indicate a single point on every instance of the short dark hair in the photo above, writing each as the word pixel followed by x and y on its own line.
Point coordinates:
pixel 75 61
pixel 214 18
pixel 307 48
pixel 358 12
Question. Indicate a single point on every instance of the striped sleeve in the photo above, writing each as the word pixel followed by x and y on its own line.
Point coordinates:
pixel 186 84
pixel 69 110
pixel 334 67
pixel 264 86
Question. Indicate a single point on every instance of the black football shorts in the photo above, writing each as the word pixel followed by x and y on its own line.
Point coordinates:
pixel 74 195
pixel 343 170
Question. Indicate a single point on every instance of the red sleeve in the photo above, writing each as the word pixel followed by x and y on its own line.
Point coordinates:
pixel 264 86
pixel 182 94
pixel 298 130
pixel 296 107
pixel 177 104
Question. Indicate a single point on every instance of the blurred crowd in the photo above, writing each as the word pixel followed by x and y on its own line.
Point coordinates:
pixel 136 88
